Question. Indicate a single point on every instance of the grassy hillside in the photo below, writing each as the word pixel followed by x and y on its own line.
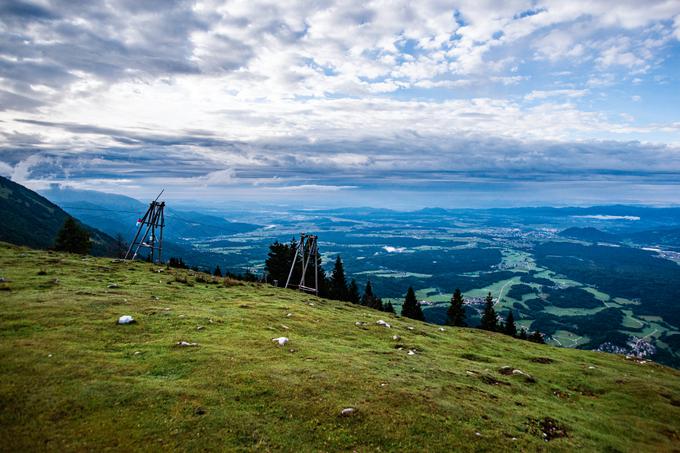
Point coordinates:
pixel 71 379
pixel 30 219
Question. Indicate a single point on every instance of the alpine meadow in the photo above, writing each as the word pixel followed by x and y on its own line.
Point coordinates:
pixel 302 226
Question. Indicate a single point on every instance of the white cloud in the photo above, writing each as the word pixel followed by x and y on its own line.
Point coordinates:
pixel 543 94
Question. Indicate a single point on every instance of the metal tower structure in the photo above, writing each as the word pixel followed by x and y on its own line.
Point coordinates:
pixel 307 250
pixel 152 236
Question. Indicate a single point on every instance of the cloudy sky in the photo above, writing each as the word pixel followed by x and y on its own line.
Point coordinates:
pixel 385 103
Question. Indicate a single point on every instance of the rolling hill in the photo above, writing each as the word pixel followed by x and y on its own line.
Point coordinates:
pixel 32 220
pixel 589 234
pixel 72 379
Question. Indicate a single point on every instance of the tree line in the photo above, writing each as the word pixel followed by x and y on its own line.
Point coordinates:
pixel 456 317
pixel 280 259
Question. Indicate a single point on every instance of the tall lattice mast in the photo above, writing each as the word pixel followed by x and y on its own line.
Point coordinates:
pixel 307 250
pixel 150 232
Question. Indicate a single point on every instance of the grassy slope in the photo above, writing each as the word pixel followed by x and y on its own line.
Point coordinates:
pixel 72 379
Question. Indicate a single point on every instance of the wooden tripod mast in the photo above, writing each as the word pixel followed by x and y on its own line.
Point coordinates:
pixel 307 250
pixel 152 238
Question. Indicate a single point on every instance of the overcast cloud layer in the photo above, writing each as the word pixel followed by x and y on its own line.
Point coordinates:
pixel 391 103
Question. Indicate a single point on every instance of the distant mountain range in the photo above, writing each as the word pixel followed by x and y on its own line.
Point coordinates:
pixel 118 214
pixel 27 218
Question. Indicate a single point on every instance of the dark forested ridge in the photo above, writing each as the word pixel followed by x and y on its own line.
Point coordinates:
pixel 32 220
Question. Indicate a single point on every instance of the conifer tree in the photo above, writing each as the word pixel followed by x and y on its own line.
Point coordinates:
pixel 338 283
pixel 73 238
pixel 456 312
pixel 536 337
pixel 367 298
pixel 353 292
pixel 218 271
pixel 411 308
pixel 279 260
pixel 489 319
pixel 388 308
pixel 522 334
pixel 510 327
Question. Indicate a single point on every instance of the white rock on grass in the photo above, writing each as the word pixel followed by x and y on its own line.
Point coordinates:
pixel 185 344
pixel 281 340
pixel 126 319
pixel 396 337
pixel 441 329
pixel 346 412
pixel 411 352
pixel 381 322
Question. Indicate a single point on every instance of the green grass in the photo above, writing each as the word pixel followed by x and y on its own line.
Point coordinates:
pixel 71 379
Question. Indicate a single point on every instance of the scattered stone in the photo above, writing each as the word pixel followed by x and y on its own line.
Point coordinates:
pixel 126 319
pixel 200 328
pixel 441 329
pixel 311 304
pixel 185 344
pixel 470 373
pixel 410 328
pixel 280 340
pixel 182 316
pixel 396 337
pixel 359 323
pixel 527 377
pixel 155 298
pixel 5 280
pixel 348 412
pixel 478 433
pixel 200 411
pixel 591 367
pixel 412 352
pixel 138 352
pixel 289 315
pixel 285 326
pixel 113 285
pixel 49 355
pixel 381 322
pixel 510 371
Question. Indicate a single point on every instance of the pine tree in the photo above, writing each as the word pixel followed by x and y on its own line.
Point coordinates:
pixel 218 271
pixel 338 283
pixel 456 312
pixel 489 319
pixel 353 292
pixel 73 238
pixel 279 260
pixel 510 327
pixel 378 304
pixel 367 298
pixel 411 308
pixel 522 334
pixel 389 308
pixel 536 337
